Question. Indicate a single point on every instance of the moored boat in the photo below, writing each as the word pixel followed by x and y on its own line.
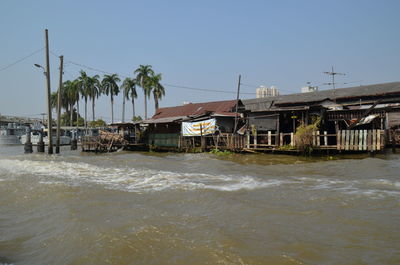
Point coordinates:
pixel 11 134
pixel 35 138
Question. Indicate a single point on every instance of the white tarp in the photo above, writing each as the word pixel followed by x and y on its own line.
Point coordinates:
pixel 198 128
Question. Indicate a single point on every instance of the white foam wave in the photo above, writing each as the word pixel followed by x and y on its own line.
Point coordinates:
pixel 131 179
pixel 374 189
pixel 144 180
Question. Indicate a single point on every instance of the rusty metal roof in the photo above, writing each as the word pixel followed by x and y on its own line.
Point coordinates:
pixel 196 109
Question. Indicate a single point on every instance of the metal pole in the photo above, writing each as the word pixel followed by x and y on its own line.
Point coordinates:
pixel 49 118
pixel 59 106
pixel 237 103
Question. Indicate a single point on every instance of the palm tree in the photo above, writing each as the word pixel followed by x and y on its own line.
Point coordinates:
pixel 110 87
pixel 94 90
pixel 75 95
pixel 64 98
pixel 53 100
pixel 158 89
pixel 71 93
pixel 129 86
pixel 143 74
pixel 84 90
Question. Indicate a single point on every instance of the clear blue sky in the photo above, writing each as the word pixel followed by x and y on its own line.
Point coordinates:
pixel 201 44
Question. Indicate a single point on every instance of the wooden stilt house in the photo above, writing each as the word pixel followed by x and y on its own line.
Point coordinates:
pixel 356 118
pixel 190 124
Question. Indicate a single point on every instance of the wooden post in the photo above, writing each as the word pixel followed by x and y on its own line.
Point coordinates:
pixel 59 106
pixel 313 139
pixel 318 139
pixel 338 139
pixel 237 105
pixel 393 141
pixel 40 144
pixel 277 143
pixel 355 147
pixel 28 144
pixel 247 139
pixel 378 140
pixel 201 138
pixel 343 145
pixel 325 138
pixel 347 139
pixel 369 139
pixel 374 140
pixel 365 140
pixel 269 138
pixel 292 139
pixel 351 147
pixel 281 139
pixel 255 136
pixel 49 118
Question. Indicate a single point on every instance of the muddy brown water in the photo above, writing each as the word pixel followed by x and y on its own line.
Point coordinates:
pixel 149 208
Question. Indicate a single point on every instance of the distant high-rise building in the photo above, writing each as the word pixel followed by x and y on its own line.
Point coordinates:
pixel 262 92
pixel 306 89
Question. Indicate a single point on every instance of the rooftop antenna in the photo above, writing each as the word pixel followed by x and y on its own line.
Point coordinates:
pixel 333 73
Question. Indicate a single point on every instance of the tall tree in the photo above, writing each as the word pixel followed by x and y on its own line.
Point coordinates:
pixel 64 97
pixel 75 95
pixel 110 87
pixel 94 91
pixel 84 90
pixel 158 89
pixel 71 92
pixel 143 74
pixel 69 96
pixel 129 86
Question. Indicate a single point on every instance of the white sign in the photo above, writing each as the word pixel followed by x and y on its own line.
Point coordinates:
pixel 198 128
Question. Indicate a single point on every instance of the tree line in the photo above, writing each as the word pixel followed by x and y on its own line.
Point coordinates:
pixel 90 88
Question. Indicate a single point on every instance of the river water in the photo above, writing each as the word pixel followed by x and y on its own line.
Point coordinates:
pixel 152 208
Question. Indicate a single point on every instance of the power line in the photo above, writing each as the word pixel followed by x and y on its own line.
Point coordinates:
pixel 166 84
pixel 204 89
pixel 20 60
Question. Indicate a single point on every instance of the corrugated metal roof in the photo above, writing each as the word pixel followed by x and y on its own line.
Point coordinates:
pixel 164 120
pixel 196 109
pixel 261 104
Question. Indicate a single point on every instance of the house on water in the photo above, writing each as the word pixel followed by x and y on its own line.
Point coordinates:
pixel 192 124
pixel 355 118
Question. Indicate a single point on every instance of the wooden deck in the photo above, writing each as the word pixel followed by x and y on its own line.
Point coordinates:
pixel 343 141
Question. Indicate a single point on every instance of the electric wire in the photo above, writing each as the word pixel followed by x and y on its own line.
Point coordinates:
pixel 166 84
pixel 20 60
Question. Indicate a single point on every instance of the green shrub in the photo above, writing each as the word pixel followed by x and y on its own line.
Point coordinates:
pixel 304 136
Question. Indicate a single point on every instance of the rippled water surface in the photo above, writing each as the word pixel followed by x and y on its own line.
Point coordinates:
pixel 146 208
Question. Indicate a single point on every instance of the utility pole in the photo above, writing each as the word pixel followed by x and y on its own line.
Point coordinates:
pixel 237 104
pixel 59 105
pixel 49 119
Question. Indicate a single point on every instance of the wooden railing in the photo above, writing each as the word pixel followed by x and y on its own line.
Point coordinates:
pixel 367 140
pixel 344 140
pixel 269 140
pixel 356 140
pixel 222 141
